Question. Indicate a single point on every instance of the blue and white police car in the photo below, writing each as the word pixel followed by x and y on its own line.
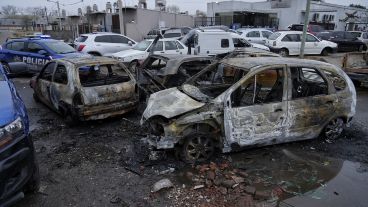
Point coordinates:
pixel 19 171
pixel 29 55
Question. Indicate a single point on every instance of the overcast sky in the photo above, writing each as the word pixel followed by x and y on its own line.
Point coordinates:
pixel 184 5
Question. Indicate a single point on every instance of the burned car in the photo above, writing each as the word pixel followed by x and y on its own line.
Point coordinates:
pixel 254 101
pixel 86 88
pixel 159 72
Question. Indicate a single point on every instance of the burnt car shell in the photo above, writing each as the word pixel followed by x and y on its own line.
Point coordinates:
pixel 290 119
pixel 93 88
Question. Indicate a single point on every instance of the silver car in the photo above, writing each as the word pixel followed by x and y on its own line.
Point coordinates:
pixel 251 101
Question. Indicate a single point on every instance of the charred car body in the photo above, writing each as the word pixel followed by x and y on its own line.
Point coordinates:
pixel 355 64
pixel 159 72
pixel 255 101
pixel 86 88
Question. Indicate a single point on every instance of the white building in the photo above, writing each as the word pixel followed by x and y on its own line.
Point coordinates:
pixel 282 13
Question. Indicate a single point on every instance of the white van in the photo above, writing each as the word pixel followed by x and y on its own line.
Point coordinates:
pixel 216 41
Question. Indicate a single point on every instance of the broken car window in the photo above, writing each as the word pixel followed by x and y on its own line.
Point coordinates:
pixel 60 75
pixel 216 79
pixel 46 74
pixel 307 82
pixel 337 81
pixel 98 75
pixel 264 87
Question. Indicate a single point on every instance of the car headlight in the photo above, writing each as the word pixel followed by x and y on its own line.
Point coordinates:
pixel 10 131
pixel 12 128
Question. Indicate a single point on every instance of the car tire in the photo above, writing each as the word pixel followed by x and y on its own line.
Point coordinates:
pixel 357 84
pixel 94 54
pixel 70 120
pixel 133 66
pixel 35 98
pixel 325 52
pixel 284 52
pixel 33 183
pixel 333 129
pixel 198 147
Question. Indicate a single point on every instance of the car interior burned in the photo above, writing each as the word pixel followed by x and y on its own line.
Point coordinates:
pixel 98 75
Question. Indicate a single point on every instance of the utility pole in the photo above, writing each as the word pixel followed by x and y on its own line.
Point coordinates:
pixel 305 27
pixel 58 7
pixel 121 19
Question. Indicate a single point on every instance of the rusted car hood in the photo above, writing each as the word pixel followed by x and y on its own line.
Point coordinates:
pixel 169 103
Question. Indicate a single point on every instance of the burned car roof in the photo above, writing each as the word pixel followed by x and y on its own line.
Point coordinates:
pixel 182 57
pixel 89 61
pixel 251 62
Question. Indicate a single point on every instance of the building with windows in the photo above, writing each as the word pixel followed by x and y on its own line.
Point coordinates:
pixel 282 13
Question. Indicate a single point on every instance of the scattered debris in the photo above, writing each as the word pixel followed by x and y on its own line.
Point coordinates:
pixel 198 187
pixel 162 184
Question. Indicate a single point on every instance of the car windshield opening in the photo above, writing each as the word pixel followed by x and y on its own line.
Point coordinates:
pixel 213 81
pixel 59 47
pixel 142 46
pixel 99 75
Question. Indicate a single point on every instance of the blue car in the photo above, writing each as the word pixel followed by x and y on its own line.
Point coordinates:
pixel 29 55
pixel 18 168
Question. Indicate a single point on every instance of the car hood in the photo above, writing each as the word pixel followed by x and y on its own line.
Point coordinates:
pixel 259 46
pixel 74 55
pixel 7 106
pixel 169 103
pixel 128 53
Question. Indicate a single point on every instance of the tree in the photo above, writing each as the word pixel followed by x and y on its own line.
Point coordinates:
pixel 173 9
pixel 9 10
pixel 358 6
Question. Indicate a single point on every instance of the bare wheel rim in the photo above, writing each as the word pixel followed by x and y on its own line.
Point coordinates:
pixel 199 148
pixel 334 129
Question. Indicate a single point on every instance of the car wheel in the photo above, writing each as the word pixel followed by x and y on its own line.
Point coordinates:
pixel 284 52
pixel 70 120
pixel 133 66
pixel 325 52
pixel 334 129
pixel 35 97
pixel 33 183
pixel 198 147
pixel 6 68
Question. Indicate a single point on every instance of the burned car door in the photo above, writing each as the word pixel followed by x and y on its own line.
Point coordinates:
pixel 310 104
pixel 58 87
pixel 256 111
pixel 44 81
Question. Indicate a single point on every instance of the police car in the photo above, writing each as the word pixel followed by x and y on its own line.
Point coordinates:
pixel 29 55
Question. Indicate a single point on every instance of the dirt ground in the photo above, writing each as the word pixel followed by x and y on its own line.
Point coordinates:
pixel 104 163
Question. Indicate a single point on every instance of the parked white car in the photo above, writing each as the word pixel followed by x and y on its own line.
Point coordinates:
pixel 289 42
pixel 103 43
pixel 141 51
pixel 239 41
pixel 257 35
pixel 362 36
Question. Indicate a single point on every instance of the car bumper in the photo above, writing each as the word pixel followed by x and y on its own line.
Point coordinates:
pixel 275 50
pixel 103 111
pixel 16 168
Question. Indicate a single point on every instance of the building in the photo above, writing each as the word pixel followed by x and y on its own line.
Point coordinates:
pixel 281 13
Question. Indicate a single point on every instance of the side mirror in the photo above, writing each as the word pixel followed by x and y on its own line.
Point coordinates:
pixel 42 52
pixel 130 43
